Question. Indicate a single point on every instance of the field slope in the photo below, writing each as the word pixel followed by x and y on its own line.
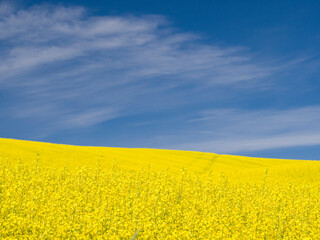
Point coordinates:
pixel 58 155
pixel 52 191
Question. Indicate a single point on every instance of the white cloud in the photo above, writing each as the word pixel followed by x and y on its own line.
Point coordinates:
pixel 88 118
pixel 66 62
pixel 249 144
pixel 236 131
pixel 6 8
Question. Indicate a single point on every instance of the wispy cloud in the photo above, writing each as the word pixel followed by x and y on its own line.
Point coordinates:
pixel 236 131
pixel 246 144
pixel 66 66
pixel 6 9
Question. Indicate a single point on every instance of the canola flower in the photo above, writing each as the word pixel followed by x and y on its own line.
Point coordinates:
pixel 39 200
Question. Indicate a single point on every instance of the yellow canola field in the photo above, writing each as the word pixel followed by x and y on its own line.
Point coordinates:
pixel 51 191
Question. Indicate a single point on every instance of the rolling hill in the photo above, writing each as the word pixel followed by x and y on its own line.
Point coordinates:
pixel 54 191
pixel 58 155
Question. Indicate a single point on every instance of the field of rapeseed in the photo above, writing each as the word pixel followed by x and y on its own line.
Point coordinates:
pixel 52 191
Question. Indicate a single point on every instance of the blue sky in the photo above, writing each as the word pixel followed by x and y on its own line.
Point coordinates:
pixel 233 77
